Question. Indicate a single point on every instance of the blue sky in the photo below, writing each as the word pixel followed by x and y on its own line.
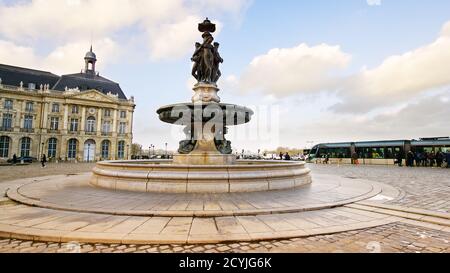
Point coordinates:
pixel 358 52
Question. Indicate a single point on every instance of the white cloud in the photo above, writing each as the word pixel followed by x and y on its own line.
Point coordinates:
pixel 399 77
pixel 374 2
pixel 169 25
pixel 64 59
pixel 300 69
pixel 304 69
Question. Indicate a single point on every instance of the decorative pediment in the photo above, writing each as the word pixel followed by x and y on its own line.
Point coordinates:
pixel 93 95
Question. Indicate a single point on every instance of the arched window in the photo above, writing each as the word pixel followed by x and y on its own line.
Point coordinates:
pixel 72 149
pixel 4 146
pixel 90 125
pixel 25 147
pixel 105 149
pixel 52 145
pixel 121 150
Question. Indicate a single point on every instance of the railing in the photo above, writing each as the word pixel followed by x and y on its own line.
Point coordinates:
pixel 6 129
pixel 106 134
pixel 91 133
pixel 26 130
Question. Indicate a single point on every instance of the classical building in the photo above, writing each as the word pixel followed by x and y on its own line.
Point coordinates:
pixel 82 117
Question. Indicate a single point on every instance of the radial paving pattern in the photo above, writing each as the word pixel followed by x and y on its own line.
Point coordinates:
pixel 67 208
pixel 74 193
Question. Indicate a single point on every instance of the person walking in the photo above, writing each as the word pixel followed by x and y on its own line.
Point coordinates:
pixel 287 157
pixel 14 159
pixel 439 159
pixel 432 159
pixel 43 161
pixel 355 159
pixel 410 159
pixel 447 158
pixel 399 159
pixel 418 158
pixel 281 155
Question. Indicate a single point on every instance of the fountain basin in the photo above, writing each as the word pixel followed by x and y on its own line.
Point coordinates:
pixel 164 177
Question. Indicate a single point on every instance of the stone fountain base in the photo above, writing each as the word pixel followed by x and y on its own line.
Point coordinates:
pixel 166 177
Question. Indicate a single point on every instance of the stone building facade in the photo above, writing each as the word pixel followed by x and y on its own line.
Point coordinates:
pixel 77 117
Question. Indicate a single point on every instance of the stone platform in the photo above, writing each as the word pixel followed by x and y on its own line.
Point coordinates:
pixel 68 208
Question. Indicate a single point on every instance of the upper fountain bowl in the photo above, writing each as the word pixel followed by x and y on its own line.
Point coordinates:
pixel 188 113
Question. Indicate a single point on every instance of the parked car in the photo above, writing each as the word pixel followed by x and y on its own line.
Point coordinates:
pixel 26 159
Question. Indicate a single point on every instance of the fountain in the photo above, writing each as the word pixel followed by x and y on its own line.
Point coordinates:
pixel 204 195
pixel 204 163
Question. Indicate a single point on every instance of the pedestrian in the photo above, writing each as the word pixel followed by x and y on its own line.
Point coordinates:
pixel 432 159
pixel 43 161
pixel 281 155
pixel 355 159
pixel 417 159
pixel 327 158
pixel 410 159
pixel 14 159
pixel 447 158
pixel 399 159
pixel 439 159
pixel 287 157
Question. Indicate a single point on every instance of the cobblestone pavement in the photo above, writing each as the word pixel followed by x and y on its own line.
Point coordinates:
pixel 392 238
pixel 425 188
pixel 8 173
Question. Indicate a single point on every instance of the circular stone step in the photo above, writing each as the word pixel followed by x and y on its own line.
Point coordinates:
pixel 74 193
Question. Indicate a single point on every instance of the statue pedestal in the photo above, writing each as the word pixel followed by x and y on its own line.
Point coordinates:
pixel 204 153
pixel 205 92
pixel 205 158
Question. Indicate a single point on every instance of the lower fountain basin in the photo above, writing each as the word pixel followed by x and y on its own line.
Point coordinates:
pixel 164 177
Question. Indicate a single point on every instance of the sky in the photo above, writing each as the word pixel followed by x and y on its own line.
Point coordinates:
pixel 313 71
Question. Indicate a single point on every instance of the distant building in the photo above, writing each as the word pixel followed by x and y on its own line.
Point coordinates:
pixel 82 117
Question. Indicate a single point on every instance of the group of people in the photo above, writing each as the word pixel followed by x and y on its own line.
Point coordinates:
pixel 425 159
pixel 285 156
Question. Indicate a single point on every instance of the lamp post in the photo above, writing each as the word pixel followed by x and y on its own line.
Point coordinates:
pixel 166 151
pixel 150 152
pixel 128 151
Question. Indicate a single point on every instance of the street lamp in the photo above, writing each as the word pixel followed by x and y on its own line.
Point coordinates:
pixel 166 151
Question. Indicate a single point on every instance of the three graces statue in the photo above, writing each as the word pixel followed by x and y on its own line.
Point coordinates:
pixel 206 57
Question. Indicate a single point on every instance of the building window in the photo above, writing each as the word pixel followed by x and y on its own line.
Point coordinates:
pixel 8 104
pixel 55 108
pixel 28 122
pixel 90 125
pixel 73 125
pixel 29 107
pixel 4 146
pixel 123 114
pixel 52 145
pixel 122 128
pixel 106 127
pixel 54 123
pixel 121 150
pixel 31 86
pixel 7 121
pixel 105 149
pixel 25 147
pixel 107 113
pixel 75 109
pixel 72 149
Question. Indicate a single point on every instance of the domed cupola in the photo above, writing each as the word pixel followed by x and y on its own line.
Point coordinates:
pixel 90 60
